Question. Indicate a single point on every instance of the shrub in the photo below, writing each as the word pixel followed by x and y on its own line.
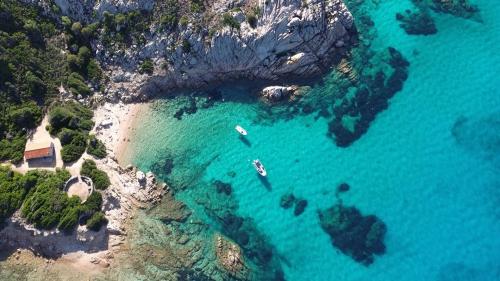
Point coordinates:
pixel 96 221
pixel 146 67
pixel 66 136
pixel 74 62
pixel 74 150
pixel 66 21
pixel 96 148
pixel 12 149
pixel 84 55
pixel 197 6
pixel 252 20
pixel 69 217
pixel 94 71
pixel 186 46
pixel 26 116
pixel 12 192
pixel 93 203
pixel 184 21
pixel 168 20
pixel 46 205
pixel 230 21
pixel 76 28
pixel 77 85
pixel 100 178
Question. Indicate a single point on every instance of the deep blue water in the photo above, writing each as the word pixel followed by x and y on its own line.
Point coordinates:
pixel 428 166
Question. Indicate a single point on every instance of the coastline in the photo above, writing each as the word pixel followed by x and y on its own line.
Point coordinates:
pixel 89 254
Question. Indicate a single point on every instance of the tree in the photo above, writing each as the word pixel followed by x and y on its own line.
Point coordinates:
pixel 146 67
pixel 96 221
pixel 76 28
pixel 99 178
pixel 96 148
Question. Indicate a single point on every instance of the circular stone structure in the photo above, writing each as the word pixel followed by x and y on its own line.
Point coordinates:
pixel 80 186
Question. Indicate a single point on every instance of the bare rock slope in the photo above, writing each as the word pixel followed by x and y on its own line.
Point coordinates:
pixel 279 39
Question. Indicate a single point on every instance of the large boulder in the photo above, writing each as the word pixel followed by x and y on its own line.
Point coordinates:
pixel 273 94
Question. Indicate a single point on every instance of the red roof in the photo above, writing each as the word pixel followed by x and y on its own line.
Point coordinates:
pixel 38 153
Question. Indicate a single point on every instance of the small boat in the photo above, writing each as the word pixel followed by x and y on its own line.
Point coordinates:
pixel 259 167
pixel 240 130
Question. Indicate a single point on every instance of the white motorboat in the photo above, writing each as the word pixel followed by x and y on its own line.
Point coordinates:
pixel 259 167
pixel 240 130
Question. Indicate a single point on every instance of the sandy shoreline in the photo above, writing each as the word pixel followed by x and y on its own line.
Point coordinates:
pixel 128 125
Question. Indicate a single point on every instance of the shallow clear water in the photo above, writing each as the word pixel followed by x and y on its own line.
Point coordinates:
pixel 434 182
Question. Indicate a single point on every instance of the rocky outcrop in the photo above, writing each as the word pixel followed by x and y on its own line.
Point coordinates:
pixel 229 256
pixel 288 38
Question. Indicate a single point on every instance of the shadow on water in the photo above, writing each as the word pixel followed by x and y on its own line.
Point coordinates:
pixel 265 182
pixel 245 141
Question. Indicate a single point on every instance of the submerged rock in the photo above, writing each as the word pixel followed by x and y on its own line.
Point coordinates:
pixel 343 187
pixel 223 187
pixel 361 237
pixel 417 23
pixel 287 201
pixel 458 8
pixel 355 112
pixel 300 207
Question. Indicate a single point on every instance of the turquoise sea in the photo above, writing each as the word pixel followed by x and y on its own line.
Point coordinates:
pixel 428 166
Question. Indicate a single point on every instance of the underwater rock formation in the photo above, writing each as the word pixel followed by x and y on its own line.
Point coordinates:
pixel 260 256
pixel 458 8
pixel 300 207
pixel 343 187
pixel 163 168
pixel 287 200
pixel 230 256
pixel 417 23
pixel 479 136
pixel 356 235
pixel 222 187
pixel 170 210
pixel 354 114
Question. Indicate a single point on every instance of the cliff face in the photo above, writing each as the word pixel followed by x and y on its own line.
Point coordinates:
pixel 288 38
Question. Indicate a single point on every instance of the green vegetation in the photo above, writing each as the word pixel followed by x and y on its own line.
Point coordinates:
pixel 30 71
pixel 170 14
pixel 184 21
pixel 197 6
pixel 96 148
pixel 71 122
pixel 124 27
pixel 77 85
pixel 100 178
pixel 43 203
pixel 33 66
pixel 96 221
pixel 230 21
pixel 146 67
pixel 46 205
pixel 13 189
